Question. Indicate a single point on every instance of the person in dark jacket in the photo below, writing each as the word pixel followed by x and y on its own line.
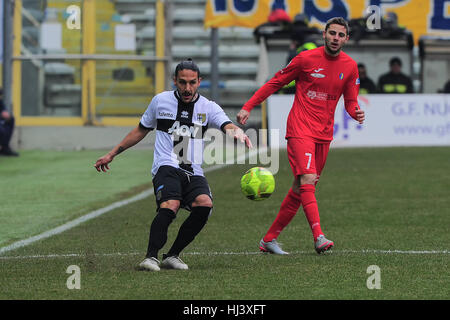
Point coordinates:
pixel 446 87
pixel 395 81
pixel 366 85
pixel 6 129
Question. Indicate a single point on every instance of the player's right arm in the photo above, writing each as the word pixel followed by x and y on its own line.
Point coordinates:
pixel 132 138
pixel 147 123
pixel 279 80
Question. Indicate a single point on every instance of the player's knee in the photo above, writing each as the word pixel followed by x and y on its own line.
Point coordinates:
pixel 309 178
pixel 296 185
pixel 173 205
pixel 201 214
pixel 202 200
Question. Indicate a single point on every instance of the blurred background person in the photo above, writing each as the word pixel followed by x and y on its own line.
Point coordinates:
pixel 395 81
pixel 6 129
pixel 446 87
pixel 293 52
pixel 366 84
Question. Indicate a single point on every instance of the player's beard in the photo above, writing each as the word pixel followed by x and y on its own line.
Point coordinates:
pixel 187 94
pixel 331 50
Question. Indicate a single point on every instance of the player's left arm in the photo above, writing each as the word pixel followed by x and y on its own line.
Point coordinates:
pixel 218 119
pixel 237 133
pixel 351 90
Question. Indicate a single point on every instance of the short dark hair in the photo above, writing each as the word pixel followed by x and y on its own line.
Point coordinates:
pixel 337 20
pixel 361 65
pixel 188 64
pixel 395 60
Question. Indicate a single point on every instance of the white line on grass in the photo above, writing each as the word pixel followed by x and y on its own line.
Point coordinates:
pixel 94 214
pixel 224 253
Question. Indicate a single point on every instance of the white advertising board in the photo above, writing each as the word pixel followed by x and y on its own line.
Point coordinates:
pixel 125 37
pixel 51 36
pixel 391 120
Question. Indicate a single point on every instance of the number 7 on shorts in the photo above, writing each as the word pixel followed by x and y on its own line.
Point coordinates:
pixel 309 155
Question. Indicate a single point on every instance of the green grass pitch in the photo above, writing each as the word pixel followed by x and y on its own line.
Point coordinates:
pixel 388 207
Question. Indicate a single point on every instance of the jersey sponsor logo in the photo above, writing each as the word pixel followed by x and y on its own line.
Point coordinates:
pixel 317 75
pixel 322 96
pixel 180 128
pixel 165 114
pixel 341 76
pixel 184 130
pixel 314 95
pixel 357 81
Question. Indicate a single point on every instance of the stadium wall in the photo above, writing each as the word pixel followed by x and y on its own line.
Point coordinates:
pixel 72 137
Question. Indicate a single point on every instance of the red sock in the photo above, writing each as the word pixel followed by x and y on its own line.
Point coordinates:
pixel 288 209
pixel 310 208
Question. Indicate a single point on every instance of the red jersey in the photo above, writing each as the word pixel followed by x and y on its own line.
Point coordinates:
pixel 320 80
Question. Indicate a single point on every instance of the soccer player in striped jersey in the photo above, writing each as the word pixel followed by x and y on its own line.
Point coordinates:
pixel 322 75
pixel 180 118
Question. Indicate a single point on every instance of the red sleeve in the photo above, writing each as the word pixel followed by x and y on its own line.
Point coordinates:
pixel 279 80
pixel 351 92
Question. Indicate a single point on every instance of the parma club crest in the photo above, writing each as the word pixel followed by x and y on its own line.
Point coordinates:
pixel 201 117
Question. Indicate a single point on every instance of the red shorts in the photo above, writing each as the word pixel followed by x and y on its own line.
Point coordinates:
pixel 306 156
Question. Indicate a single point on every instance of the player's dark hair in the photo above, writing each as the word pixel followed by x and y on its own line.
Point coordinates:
pixel 338 20
pixel 188 64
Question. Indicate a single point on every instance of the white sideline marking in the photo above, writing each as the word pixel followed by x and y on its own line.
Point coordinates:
pixel 76 222
pixel 99 212
pixel 218 253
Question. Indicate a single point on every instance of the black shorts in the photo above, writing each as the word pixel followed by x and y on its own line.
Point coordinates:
pixel 171 183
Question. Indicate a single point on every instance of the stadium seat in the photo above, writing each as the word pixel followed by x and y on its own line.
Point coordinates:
pixel 62 95
pixel 189 14
pixel 58 68
pixel 139 18
pixel 236 33
pixel 146 33
pixel 190 32
pixel 227 68
pixel 239 51
pixel 192 51
pixel 133 6
pixel 241 85
pixel 202 50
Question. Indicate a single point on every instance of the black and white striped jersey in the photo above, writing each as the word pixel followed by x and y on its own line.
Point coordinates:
pixel 180 128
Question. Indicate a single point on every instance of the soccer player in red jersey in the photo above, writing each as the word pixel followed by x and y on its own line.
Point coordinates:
pixel 322 75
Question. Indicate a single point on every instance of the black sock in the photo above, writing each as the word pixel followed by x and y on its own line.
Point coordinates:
pixel 189 229
pixel 158 231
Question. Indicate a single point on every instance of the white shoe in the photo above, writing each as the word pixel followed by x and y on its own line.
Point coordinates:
pixel 322 244
pixel 150 264
pixel 272 247
pixel 174 262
